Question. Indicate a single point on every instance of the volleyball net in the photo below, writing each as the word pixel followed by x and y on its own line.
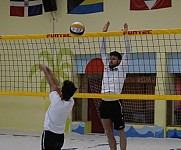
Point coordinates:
pixel 155 60
pixel 153 66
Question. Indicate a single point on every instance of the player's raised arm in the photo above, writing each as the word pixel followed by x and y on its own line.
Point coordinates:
pixel 48 77
pixel 103 43
pixel 127 40
pixel 56 82
pixel 126 56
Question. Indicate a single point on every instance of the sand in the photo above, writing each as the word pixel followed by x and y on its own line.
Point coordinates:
pixel 31 141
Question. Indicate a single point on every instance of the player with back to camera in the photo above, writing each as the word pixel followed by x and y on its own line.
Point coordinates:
pixel 58 111
pixel 115 70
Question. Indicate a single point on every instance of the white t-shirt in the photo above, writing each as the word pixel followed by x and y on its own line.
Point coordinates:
pixel 113 78
pixel 57 113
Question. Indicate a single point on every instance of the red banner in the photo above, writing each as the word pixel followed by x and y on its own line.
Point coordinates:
pixel 149 4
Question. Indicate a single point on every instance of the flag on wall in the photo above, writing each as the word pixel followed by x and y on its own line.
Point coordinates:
pixel 25 8
pixel 149 4
pixel 84 6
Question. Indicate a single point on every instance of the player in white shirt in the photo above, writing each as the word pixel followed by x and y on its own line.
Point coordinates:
pixel 115 70
pixel 58 111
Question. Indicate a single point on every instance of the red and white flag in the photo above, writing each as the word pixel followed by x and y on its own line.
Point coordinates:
pixel 149 4
pixel 25 8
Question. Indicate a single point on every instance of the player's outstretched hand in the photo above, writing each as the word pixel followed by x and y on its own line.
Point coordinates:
pixel 125 27
pixel 106 26
pixel 42 67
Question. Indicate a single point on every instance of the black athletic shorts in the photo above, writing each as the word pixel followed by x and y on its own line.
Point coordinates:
pixel 52 141
pixel 113 110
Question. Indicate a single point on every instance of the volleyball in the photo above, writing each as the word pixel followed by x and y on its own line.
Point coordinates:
pixel 77 28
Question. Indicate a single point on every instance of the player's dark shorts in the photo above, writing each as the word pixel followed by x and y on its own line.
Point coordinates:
pixel 52 141
pixel 113 110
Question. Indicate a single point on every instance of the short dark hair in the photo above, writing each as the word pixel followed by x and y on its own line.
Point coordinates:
pixel 68 89
pixel 117 54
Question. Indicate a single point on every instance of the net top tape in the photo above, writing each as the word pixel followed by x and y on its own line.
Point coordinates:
pixel 91 34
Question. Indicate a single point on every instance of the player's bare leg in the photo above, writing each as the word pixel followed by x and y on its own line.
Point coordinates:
pixel 108 127
pixel 123 140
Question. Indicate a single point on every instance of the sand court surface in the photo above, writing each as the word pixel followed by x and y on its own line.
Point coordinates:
pixel 31 141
